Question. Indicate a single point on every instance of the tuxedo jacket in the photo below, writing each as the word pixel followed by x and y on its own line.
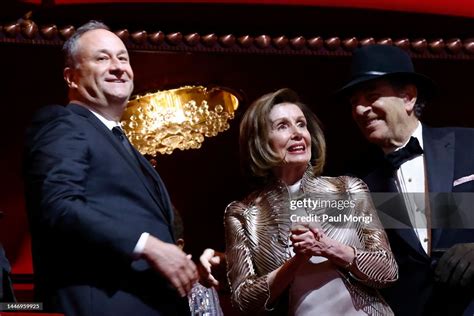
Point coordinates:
pixel 6 290
pixel 449 166
pixel 88 203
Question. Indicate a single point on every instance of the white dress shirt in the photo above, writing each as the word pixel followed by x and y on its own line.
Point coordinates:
pixel 410 180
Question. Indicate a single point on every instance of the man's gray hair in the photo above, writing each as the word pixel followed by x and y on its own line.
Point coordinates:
pixel 70 46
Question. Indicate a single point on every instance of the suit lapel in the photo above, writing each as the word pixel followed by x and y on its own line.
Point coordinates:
pixel 159 186
pixel 133 163
pixel 439 157
pixel 387 198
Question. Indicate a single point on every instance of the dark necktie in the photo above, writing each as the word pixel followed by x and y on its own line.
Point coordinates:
pixel 118 132
pixel 411 150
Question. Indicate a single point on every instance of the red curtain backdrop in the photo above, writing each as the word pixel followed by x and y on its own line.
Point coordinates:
pixel 463 8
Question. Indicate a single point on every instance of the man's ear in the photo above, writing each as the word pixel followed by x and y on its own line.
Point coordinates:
pixel 68 75
pixel 409 96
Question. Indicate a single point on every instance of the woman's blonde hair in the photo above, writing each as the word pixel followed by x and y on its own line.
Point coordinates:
pixel 256 154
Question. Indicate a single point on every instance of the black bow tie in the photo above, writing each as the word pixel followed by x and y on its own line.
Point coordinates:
pixel 398 157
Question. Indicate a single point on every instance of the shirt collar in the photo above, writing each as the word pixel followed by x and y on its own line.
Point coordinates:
pixel 419 134
pixel 109 123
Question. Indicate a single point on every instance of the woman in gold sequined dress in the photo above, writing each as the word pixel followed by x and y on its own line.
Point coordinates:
pixel 291 248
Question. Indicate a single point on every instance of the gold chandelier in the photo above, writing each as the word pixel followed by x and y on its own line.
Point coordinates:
pixel 180 118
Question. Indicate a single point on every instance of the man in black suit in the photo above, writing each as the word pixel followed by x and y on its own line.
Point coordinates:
pixel 431 236
pixel 6 289
pixel 100 215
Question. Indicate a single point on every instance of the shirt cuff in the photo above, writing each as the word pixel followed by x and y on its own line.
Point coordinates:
pixel 138 250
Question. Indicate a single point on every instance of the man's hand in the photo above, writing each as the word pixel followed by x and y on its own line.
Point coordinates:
pixel 456 266
pixel 209 259
pixel 172 263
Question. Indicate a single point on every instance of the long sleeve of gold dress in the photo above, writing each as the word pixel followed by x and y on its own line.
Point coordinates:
pixel 257 241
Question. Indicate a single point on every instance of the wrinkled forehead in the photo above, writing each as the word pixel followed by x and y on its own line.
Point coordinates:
pixel 285 109
pixel 100 40
pixel 285 104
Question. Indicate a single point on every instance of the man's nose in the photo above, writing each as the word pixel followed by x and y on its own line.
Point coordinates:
pixel 117 65
pixel 361 108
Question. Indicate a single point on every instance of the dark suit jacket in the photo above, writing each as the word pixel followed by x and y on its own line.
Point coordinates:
pixel 449 155
pixel 6 289
pixel 89 201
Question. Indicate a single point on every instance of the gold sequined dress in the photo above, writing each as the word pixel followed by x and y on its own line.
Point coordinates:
pixel 257 242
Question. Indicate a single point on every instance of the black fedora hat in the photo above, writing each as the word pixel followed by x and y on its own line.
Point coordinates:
pixel 384 61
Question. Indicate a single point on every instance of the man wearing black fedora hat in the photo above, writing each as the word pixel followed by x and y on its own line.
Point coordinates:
pixel 429 235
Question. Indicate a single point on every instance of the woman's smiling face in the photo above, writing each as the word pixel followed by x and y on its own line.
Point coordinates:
pixel 289 136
